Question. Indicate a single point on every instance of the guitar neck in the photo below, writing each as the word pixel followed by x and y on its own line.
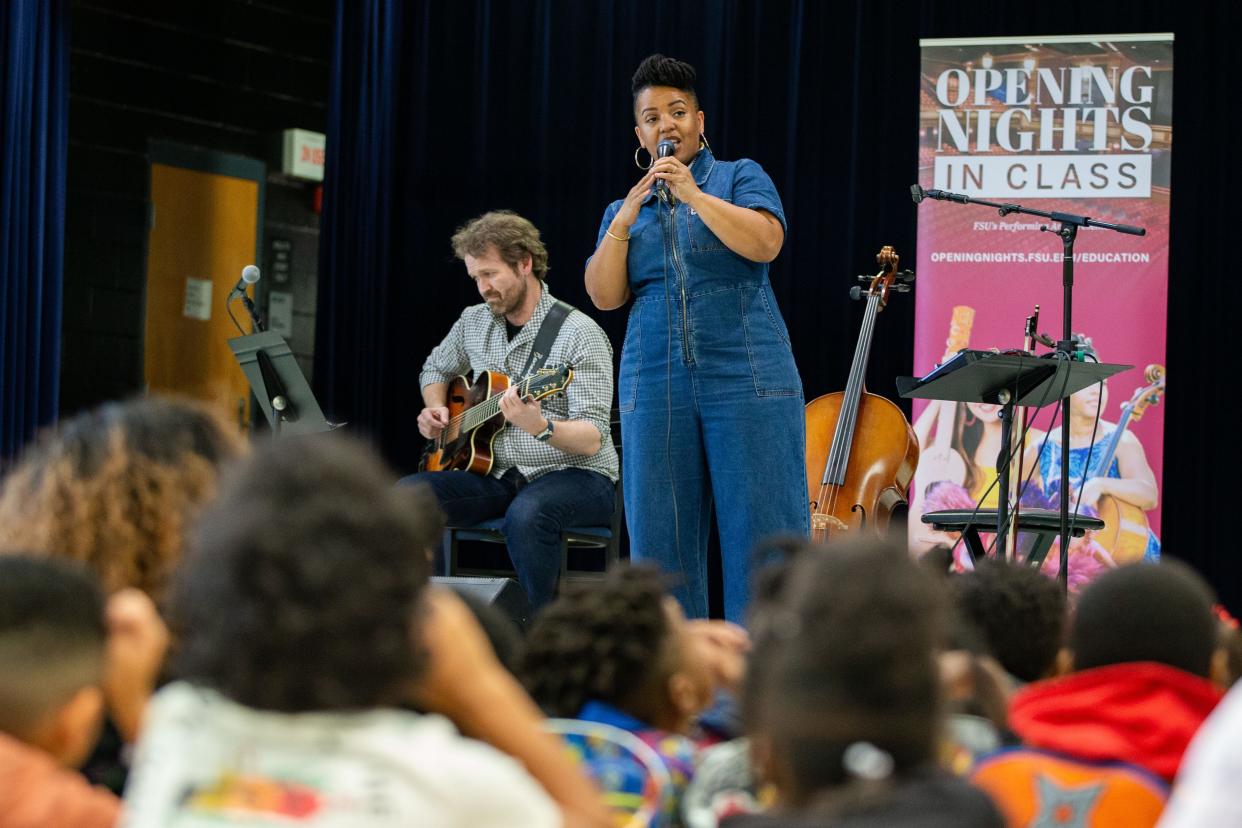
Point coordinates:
pixel 475 416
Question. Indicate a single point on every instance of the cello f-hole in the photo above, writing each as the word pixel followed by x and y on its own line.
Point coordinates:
pixel 858 507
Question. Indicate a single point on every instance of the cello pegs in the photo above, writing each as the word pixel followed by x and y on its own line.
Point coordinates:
pixel 856 293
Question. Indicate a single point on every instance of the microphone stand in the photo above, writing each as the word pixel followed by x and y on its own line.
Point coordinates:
pixel 273 388
pixel 1065 347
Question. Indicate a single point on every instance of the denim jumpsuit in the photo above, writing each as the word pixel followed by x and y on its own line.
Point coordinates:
pixel 710 398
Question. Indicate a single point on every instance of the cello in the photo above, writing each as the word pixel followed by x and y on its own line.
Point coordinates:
pixel 860 449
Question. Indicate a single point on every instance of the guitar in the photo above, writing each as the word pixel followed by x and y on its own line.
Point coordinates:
pixel 465 444
pixel 1126 530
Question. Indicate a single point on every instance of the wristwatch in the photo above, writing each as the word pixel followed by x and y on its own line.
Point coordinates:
pixel 545 435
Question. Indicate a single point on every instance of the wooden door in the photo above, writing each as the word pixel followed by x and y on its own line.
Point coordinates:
pixel 204 231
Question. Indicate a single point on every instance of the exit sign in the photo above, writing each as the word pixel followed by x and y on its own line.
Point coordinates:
pixel 302 154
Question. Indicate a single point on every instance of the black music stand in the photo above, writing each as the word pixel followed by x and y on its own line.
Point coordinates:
pixel 278 384
pixel 1009 380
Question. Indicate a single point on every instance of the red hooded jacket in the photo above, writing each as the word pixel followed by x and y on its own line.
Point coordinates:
pixel 1142 713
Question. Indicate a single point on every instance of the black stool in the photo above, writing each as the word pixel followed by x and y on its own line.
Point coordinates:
pixel 1045 524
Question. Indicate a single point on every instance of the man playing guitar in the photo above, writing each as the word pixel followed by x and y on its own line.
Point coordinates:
pixel 552 463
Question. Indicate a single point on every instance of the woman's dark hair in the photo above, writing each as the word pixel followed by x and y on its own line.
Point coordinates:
pixel 658 70
pixel 850 657
pixel 301 587
pixel 606 641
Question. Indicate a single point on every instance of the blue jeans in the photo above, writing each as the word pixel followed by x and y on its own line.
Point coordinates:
pixel 535 514
pixel 720 424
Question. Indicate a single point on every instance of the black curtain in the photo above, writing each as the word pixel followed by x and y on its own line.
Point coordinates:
pixel 525 104
pixel 34 95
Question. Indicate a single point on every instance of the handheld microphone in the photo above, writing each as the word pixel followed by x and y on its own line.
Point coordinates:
pixel 663 150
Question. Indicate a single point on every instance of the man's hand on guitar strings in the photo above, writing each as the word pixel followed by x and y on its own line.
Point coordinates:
pixel 526 413
pixel 432 420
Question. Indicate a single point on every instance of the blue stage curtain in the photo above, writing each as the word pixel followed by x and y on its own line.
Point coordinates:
pixel 352 318
pixel 34 56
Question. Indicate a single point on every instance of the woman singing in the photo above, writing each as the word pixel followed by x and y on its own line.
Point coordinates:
pixel 710 399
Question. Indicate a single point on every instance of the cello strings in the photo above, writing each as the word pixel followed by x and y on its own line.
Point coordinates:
pixel 847 417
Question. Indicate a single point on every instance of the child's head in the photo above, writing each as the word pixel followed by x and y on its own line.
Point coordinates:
pixel 847 666
pixel 622 641
pixel 116 488
pixel 1145 612
pixel 1227 658
pixel 52 639
pixel 1019 612
pixel 301 588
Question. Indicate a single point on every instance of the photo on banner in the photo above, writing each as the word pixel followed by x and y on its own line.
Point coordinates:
pixel 1079 125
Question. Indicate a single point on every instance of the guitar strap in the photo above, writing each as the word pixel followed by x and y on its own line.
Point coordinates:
pixel 548 329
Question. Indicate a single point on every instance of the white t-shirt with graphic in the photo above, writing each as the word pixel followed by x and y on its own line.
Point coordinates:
pixel 206 761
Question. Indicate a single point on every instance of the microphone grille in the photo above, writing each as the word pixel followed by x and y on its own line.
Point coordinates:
pixel 665 148
pixel 250 274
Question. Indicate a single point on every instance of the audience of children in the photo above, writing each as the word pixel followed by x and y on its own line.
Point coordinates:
pixel 115 488
pixel 306 630
pixel 1101 745
pixel 318 677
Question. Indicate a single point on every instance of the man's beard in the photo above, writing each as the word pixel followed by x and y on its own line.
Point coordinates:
pixel 505 308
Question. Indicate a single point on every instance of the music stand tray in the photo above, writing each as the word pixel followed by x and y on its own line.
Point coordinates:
pixel 273 372
pixel 982 376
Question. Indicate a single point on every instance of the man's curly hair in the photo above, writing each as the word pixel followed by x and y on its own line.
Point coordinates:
pixel 116 487
pixel 1019 612
pixel 606 641
pixel 658 70
pixel 514 237
pixel 302 584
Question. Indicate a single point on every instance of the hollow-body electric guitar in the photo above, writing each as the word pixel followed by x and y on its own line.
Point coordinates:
pixel 475 418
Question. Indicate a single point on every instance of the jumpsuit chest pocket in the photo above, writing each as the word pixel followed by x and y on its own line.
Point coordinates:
pixel 702 239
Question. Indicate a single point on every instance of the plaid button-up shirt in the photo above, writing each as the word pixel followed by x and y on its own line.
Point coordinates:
pixel 479 341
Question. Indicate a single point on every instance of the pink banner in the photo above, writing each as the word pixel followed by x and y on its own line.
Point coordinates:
pixel 1077 125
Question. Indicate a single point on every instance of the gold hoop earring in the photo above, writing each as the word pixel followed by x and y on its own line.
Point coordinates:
pixel 703 145
pixel 641 148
